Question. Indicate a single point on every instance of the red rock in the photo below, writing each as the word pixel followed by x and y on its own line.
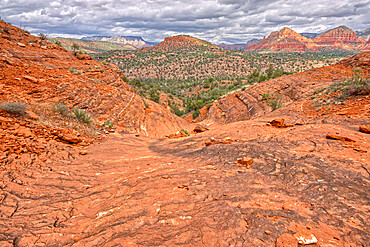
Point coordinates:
pixel 199 129
pixel 364 128
pixel 286 240
pixel 4 120
pixel 179 41
pixel 226 140
pixel 32 115
pixel 245 161
pixel 83 56
pixel 337 35
pixel 287 40
pixel 178 134
pixel 70 138
pixel 337 137
pixel 30 78
pixel 23 131
pixel 279 123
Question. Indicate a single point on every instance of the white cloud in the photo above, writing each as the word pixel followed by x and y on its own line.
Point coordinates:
pixel 217 21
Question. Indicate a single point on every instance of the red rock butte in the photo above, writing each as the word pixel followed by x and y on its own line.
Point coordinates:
pixel 287 40
pixel 180 41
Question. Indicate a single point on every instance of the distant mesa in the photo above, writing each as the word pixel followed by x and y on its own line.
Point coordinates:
pixel 239 46
pixel 310 35
pixel 181 42
pixel 340 38
pixel 90 46
pixel 135 41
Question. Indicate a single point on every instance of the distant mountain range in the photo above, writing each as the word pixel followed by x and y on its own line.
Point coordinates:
pixel 90 46
pixel 135 41
pixel 340 38
pixel 239 46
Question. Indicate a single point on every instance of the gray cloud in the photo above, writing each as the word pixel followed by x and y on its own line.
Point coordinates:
pixel 230 21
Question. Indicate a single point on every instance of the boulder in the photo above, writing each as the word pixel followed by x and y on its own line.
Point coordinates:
pixel 199 129
pixel 245 161
pixel 364 129
pixel 286 240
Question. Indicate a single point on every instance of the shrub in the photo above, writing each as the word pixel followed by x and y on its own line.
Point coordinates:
pixel 186 132
pixel 266 96
pixel 58 43
pixel 82 116
pixel 75 71
pixel 196 114
pixel 275 101
pixel 124 78
pixel 15 108
pixel 42 36
pixel 62 109
pixel 75 47
pixel 108 124
pixel 145 103
pixel 355 85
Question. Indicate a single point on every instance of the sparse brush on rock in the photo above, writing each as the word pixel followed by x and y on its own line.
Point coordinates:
pixel 62 109
pixel 356 85
pixel 186 132
pixel 266 96
pixel 108 124
pixel 15 108
pixel 275 101
pixel 82 116
pixel 42 36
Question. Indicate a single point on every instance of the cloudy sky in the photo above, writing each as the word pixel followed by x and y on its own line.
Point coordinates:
pixel 229 21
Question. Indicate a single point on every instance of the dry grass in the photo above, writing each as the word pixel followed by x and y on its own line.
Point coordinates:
pixel 60 116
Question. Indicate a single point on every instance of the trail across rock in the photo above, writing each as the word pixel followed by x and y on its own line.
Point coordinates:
pixel 136 191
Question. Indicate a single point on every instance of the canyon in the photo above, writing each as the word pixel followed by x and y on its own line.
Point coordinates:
pixel 246 175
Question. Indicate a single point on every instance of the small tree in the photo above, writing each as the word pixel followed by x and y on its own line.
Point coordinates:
pixel 42 36
pixel 75 47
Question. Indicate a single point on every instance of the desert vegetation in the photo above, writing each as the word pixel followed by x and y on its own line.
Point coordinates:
pixel 195 76
pixel 338 92
pixel 88 46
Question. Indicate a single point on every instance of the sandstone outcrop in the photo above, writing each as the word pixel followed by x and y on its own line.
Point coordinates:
pixel 42 75
pixel 34 75
pixel 294 89
pixel 180 41
pixel 287 40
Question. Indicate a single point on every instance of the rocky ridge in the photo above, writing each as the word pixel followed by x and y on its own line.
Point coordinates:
pixel 181 41
pixel 294 89
pixel 137 42
pixel 41 75
pixel 286 40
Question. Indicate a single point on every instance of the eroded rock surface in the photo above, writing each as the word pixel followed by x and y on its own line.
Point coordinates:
pixel 240 183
